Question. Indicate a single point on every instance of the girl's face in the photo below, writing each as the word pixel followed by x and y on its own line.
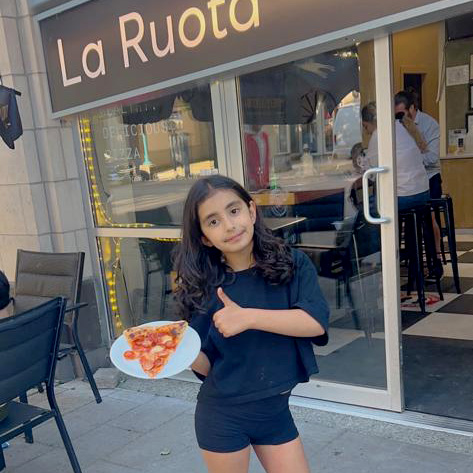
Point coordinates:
pixel 227 222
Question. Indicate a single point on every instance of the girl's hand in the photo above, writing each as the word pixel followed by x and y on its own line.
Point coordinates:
pixel 232 319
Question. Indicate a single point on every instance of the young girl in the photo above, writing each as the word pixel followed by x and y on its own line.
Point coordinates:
pixel 258 308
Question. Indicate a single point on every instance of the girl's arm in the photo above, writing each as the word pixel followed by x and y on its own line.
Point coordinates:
pixel 292 322
pixel 201 364
pixel 233 319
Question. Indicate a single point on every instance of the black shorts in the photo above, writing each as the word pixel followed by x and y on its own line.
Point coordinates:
pixel 435 185
pixel 231 428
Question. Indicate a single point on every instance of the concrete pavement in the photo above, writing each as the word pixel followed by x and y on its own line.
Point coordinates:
pixel 142 432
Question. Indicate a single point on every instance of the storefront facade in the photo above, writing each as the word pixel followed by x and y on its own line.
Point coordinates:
pixel 153 98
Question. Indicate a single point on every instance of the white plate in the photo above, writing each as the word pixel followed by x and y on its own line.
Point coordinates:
pixel 182 358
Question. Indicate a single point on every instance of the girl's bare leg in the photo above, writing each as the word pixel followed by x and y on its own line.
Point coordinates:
pixel 234 462
pixel 286 458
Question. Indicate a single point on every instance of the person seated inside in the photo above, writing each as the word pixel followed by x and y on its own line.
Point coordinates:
pixel 412 179
pixel 6 306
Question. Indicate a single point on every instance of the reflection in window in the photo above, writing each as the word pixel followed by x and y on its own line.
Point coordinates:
pixel 143 157
pixel 138 278
pixel 294 107
pixel 302 145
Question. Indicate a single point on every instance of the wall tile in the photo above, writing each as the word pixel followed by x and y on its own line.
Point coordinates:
pixel 70 159
pixel 30 45
pixel 65 206
pixel 22 7
pixel 8 247
pixel 40 101
pixel 8 8
pixel 50 154
pixel 20 165
pixel 11 60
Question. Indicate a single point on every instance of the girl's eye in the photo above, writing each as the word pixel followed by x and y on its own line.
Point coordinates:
pixel 212 223
pixel 235 211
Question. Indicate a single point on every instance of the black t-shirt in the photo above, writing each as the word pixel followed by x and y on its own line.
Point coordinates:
pixel 255 364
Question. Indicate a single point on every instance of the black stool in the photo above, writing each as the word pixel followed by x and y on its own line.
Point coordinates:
pixel 418 234
pixel 444 206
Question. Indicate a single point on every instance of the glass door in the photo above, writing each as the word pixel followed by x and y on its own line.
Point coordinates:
pixel 304 147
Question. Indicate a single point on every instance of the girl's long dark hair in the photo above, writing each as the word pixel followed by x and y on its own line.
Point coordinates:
pixel 200 269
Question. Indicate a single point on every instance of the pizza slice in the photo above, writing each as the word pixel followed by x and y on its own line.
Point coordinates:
pixel 153 346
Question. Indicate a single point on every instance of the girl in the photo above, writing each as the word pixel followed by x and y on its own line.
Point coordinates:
pixel 257 307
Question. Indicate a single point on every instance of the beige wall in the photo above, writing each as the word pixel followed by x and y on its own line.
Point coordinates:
pixel 415 51
pixel 42 206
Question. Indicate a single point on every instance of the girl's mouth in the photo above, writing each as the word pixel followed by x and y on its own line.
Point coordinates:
pixel 234 238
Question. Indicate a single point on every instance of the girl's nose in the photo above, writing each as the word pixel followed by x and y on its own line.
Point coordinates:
pixel 229 224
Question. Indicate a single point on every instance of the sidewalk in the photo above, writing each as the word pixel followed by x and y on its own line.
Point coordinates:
pixel 137 432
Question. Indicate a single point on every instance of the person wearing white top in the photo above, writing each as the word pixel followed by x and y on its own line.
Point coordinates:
pixel 429 129
pixel 406 102
pixel 412 180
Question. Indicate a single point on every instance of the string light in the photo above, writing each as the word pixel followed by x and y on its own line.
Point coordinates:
pixel 110 258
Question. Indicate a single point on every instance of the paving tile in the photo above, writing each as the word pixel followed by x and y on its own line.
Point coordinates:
pixel 106 411
pixel 107 467
pixel 76 425
pixel 102 442
pixel 438 324
pixel 316 436
pixel 67 400
pixel 352 452
pixel 423 459
pixel 150 415
pixel 115 436
pixel 21 452
pixel 144 453
pixel 135 397
pixel 54 461
pixel 464 269
pixel 466 257
pixel 461 305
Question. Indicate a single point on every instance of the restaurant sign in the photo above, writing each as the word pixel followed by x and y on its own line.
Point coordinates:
pixel 99 51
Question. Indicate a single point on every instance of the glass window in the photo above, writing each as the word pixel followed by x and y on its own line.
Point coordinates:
pixel 138 279
pixel 303 155
pixel 143 156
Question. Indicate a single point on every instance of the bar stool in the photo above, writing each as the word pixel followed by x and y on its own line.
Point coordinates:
pixel 418 234
pixel 444 206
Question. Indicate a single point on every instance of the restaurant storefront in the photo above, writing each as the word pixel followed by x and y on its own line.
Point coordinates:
pixel 269 93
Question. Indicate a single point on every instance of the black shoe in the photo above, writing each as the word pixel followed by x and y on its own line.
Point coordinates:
pixel 436 272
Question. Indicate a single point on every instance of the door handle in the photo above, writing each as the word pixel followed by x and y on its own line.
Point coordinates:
pixel 366 198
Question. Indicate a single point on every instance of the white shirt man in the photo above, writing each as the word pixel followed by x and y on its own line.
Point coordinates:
pixel 411 175
pixel 430 132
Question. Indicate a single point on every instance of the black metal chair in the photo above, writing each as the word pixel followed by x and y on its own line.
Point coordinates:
pixel 416 233
pixel 444 207
pixel 343 262
pixel 156 258
pixel 29 344
pixel 43 276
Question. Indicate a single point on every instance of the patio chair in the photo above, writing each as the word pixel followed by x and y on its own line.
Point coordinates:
pixel 43 276
pixel 29 344
pixel 343 260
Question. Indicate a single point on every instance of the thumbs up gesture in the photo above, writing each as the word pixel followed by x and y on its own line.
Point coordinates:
pixel 231 319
